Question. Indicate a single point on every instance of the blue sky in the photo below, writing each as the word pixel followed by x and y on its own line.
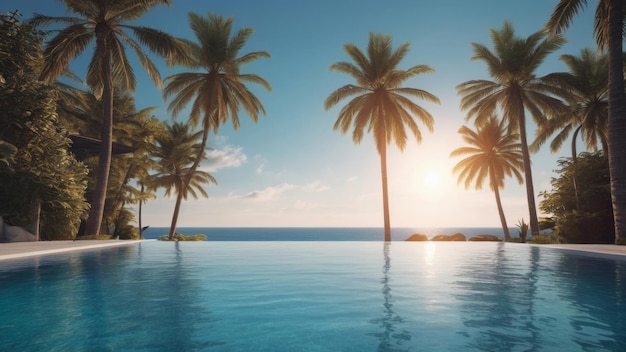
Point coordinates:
pixel 291 168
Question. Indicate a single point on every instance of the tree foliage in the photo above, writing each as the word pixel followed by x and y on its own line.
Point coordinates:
pixel 40 171
pixel 593 221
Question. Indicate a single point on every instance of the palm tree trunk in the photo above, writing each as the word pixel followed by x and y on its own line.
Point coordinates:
pixel 139 212
pixel 496 191
pixel 574 165
pixel 528 176
pixel 179 200
pixel 383 172
pixel 617 120
pixel 104 163
pixel 192 170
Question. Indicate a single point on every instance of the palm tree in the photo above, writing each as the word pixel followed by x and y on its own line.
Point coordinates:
pixel 217 89
pixel 609 30
pixel 515 90
pixel 493 154
pixel 587 114
pixel 105 21
pixel 175 152
pixel 379 102
pixel 587 98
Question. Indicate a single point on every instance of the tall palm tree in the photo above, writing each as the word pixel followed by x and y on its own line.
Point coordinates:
pixel 175 152
pixel 515 90
pixel 379 102
pixel 609 31
pixel 493 153
pixel 217 88
pixel 587 98
pixel 105 21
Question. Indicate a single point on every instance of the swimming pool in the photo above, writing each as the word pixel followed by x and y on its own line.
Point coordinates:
pixel 314 296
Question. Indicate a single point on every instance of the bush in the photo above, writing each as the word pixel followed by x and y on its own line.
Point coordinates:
pixel 544 239
pixel 95 237
pixel 181 237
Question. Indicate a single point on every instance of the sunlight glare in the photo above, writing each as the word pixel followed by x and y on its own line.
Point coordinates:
pixel 431 180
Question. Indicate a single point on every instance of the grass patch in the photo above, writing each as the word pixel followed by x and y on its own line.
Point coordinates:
pixel 181 237
pixel 95 237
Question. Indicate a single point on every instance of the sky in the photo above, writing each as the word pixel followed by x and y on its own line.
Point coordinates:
pixel 291 169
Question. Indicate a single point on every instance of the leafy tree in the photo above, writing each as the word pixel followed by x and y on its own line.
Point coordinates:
pixel 587 97
pixel 105 21
pixel 43 186
pixel 176 152
pixel 379 102
pixel 591 221
pixel 515 90
pixel 609 31
pixel 492 154
pixel 217 90
pixel 81 111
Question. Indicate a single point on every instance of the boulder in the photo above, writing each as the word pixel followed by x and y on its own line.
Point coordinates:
pixel 491 238
pixel 10 233
pixel 417 237
pixel 455 237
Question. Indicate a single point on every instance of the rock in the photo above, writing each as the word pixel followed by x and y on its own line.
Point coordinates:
pixel 15 233
pixel 417 237
pixel 485 238
pixel 455 237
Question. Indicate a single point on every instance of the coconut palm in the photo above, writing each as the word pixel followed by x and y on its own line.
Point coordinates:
pixel 515 90
pixel 587 99
pixel 105 21
pixel 217 88
pixel 379 103
pixel 175 153
pixel 609 31
pixel 493 153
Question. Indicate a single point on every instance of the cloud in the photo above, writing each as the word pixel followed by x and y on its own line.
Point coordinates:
pixel 273 192
pixel 229 156
pixel 269 193
pixel 315 187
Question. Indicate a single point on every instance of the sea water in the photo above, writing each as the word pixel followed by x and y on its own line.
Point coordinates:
pixel 314 296
pixel 321 233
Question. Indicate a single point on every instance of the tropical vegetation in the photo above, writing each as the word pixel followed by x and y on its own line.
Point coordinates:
pixel 175 152
pixel 216 88
pixel 42 185
pixel 515 89
pixel 379 103
pixel 609 32
pixel 106 23
pixel 492 154
pixel 585 216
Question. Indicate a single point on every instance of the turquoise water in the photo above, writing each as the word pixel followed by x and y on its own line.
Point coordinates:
pixel 314 296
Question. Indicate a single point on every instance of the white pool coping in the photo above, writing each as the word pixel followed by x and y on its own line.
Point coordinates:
pixel 29 249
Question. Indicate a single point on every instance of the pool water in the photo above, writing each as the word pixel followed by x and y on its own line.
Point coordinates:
pixel 314 296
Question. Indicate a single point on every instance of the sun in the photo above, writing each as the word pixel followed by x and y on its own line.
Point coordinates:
pixel 431 180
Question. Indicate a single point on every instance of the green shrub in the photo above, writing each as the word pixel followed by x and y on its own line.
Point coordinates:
pixel 181 237
pixel 544 239
pixel 95 237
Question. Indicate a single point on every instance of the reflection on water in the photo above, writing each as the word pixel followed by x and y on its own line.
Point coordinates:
pixel 498 310
pixel 392 337
pixel 109 301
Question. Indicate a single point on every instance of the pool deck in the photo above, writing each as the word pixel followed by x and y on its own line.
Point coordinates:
pixel 28 249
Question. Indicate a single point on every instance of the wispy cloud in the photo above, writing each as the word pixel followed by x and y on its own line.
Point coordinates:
pixel 228 156
pixel 273 192
pixel 269 193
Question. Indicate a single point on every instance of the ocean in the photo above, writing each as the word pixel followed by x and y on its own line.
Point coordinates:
pixel 321 233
